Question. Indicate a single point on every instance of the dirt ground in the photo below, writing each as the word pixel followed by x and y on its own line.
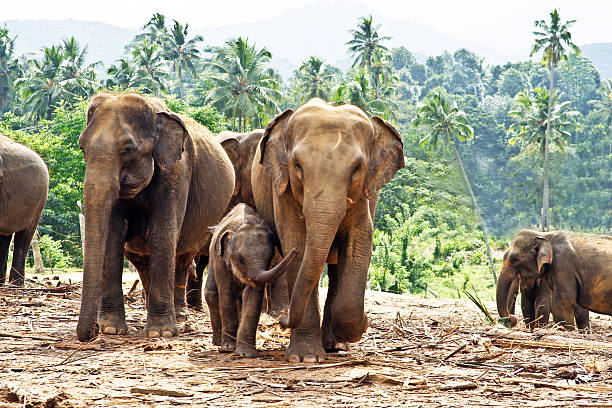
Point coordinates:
pixel 417 352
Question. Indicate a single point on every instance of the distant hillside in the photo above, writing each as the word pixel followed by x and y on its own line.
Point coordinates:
pixel 601 55
pixel 105 41
pixel 320 29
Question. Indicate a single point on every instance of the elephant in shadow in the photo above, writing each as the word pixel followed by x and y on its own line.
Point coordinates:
pixel 576 268
pixel 154 182
pixel 536 301
pixel 24 183
pixel 316 177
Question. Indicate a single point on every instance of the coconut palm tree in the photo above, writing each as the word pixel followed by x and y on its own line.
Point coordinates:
pixel 9 67
pixel 358 91
pixel 74 67
pixel 533 121
pixel 244 87
pixel 150 73
pixel 444 122
pixel 314 79
pixel 366 44
pixel 121 75
pixel 156 29
pixel 182 53
pixel 604 106
pixel 551 38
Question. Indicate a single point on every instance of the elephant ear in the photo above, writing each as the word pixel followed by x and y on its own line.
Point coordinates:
pixel 231 145
pixel 545 252
pixel 273 151
pixel 223 243
pixel 387 156
pixel 169 140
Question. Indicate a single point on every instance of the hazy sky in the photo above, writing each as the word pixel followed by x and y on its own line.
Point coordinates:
pixel 498 24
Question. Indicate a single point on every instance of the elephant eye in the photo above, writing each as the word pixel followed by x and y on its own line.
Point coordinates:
pixel 241 260
pixel 298 167
pixel 128 149
pixel 356 170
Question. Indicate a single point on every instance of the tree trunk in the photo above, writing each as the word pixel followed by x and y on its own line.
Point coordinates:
pixel 38 261
pixel 545 219
pixel 476 209
pixel 180 84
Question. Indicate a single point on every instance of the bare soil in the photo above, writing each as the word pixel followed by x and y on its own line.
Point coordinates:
pixel 416 352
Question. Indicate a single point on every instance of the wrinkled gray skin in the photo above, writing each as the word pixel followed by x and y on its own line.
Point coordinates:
pixel 577 268
pixel 154 181
pixel 240 147
pixel 241 252
pixel 24 182
pixel 316 178
pixel 536 301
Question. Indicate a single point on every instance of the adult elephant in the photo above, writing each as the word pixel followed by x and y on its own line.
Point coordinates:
pixel 24 182
pixel 576 268
pixel 240 148
pixel 316 177
pixel 536 301
pixel 154 181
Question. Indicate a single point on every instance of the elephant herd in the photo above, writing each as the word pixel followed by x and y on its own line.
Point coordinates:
pixel 266 211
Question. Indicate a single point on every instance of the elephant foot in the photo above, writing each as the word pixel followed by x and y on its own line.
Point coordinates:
pixel 307 350
pixel 161 328
pixel 181 313
pixel 331 345
pixel 228 346
pixel 246 350
pixel 349 330
pixel 112 324
pixel 216 338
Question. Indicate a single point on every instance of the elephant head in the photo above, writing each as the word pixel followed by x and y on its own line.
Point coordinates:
pixel 328 159
pixel 248 252
pixel 529 253
pixel 127 139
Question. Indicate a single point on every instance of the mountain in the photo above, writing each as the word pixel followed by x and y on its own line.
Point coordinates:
pixel 320 29
pixel 601 55
pixel 105 41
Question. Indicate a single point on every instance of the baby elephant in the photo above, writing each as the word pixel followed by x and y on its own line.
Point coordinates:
pixel 241 251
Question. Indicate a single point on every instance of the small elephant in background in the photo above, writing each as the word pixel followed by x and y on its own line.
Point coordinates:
pixel 241 251
pixel 536 301
pixel 24 183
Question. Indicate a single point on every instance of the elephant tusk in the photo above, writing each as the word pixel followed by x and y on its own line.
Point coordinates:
pixel 351 202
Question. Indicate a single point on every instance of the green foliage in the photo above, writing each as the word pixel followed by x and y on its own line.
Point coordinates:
pixel 52 253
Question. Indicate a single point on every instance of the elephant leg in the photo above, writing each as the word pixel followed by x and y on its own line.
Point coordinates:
pixel 141 263
pixel 5 243
pixel 347 311
pixel 563 313
pixel 211 294
pixel 278 298
pixel 542 307
pixel 528 300
pixel 194 283
pixel 582 318
pixel 21 245
pixel 111 319
pixel 252 299
pixel 228 307
pixel 183 262
pixel 329 340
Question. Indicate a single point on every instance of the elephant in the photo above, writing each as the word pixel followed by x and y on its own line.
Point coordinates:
pixel 240 148
pixel 576 268
pixel 536 299
pixel 316 177
pixel 241 252
pixel 154 182
pixel 24 183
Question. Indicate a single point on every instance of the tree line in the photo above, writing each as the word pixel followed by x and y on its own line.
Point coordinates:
pixel 484 144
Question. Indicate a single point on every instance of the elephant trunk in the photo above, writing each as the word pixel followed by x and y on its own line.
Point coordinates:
pixel 272 274
pixel 322 222
pixel 504 283
pixel 98 203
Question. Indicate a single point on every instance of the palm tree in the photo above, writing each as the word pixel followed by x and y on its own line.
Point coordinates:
pixel 358 91
pixel 603 106
pixel 74 67
pixel 150 73
pixel 9 67
pixel 156 29
pixel 444 122
pixel 121 75
pixel 182 53
pixel 244 87
pixel 366 43
pixel 533 121
pixel 313 79
pixel 551 38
